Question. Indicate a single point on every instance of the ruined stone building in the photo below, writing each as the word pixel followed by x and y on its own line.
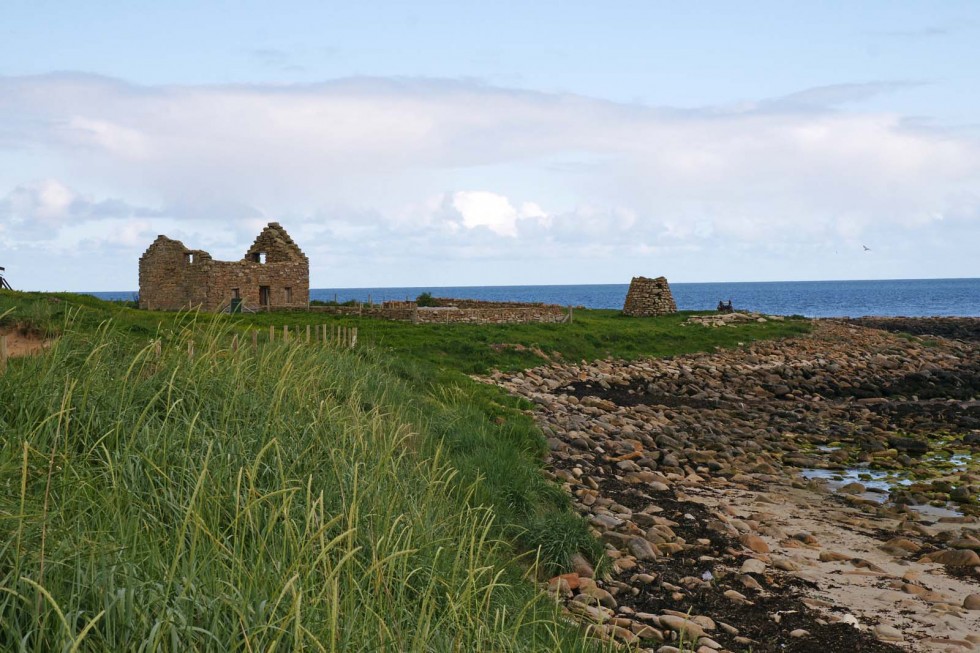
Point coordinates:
pixel 649 297
pixel 275 273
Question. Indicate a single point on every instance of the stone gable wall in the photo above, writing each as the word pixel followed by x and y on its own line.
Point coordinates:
pixel 649 297
pixel 173 277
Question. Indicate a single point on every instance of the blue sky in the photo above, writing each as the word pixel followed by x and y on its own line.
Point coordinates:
pixel 457 143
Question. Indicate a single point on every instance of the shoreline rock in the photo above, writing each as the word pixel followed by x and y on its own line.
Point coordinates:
pixel 688 470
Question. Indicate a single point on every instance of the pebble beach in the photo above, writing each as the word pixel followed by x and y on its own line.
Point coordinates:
pixel 812 494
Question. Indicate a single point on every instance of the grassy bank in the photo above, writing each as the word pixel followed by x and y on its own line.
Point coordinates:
pixel 297 497
pixel 290 498
pixel 594 334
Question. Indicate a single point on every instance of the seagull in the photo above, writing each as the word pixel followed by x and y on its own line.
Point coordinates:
pixel 866 248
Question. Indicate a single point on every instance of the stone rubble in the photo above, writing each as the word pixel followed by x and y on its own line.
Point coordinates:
pixel 730 319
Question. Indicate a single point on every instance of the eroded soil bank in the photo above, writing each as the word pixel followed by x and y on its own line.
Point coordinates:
pixel 20 343
pixel 689 469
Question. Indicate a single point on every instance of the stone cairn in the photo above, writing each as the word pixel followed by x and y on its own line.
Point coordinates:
pixel 649 297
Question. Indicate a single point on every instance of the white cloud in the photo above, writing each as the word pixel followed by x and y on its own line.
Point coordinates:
pixel 486 209
pixel 375 165
pixel 45 201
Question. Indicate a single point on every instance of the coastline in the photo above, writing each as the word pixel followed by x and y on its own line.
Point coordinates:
pixel 818 299
pixel 690 471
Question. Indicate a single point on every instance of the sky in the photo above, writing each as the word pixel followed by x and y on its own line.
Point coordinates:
pixel 493 143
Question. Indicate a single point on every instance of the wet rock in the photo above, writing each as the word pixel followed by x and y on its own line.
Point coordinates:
pixel 753 566
pixel 737 597
pixel 901 546
pixel 602 596
pixel 888 633
pixel 784 564
pixel 962 494
pixel 955 558
pixel 910 445
pixel 853 488
pixel 755 543
pixel 581 566
pixel 642 549
pixel 684 627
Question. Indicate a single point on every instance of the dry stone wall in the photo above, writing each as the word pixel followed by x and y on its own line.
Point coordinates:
pixel 488 313
pixel 649 297
pixel 502 315
pixel 273 274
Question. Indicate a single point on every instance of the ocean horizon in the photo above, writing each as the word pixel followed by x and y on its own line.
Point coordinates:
pixel 892 297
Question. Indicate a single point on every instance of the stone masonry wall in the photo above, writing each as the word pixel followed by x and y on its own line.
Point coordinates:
pixel 509 313
pixel 503 315
pixel 649 297
pixel 173 277
pixel 483 303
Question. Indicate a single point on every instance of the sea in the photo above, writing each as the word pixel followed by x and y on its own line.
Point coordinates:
pixel 898 297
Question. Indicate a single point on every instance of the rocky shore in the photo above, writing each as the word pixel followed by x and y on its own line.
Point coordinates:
pixel 957 328
pixel 815 494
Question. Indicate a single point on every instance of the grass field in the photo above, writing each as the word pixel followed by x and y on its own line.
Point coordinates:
pixel 293 497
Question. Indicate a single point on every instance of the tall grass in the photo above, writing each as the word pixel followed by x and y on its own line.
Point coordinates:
pixel 289 498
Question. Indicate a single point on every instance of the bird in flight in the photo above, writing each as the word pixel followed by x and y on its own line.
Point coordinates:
pixel 866 248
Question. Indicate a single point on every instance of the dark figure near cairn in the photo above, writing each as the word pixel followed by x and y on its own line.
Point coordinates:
pixel 725 308
pixel 3 282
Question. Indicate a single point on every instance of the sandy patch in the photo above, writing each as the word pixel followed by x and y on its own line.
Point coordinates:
pixel 19 344
pixel 921 600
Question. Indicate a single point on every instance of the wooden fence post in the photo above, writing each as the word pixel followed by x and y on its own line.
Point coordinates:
pixel 255 340
pixel 158 348
pixel 272 333
pixel 190 349
pixel 353 340
pixel 570 317
pixel 3 354
pixel 234 343
pixel 285 333
pixel 307 334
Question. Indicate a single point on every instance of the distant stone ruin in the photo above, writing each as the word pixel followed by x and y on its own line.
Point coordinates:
pixel 649 297
pixel 275 273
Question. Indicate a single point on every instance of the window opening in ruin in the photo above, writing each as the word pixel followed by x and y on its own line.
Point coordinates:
pixel 259 257
pixel 235 294
pixel 289 295
pixel 189 258
pixel 264 295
